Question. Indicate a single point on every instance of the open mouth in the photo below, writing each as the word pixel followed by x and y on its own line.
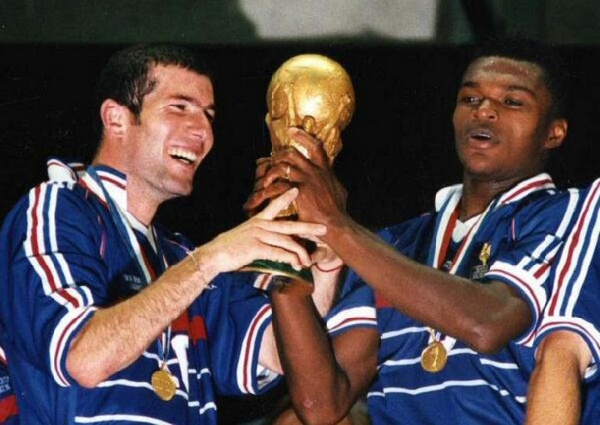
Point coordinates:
pixel 182 155
pixel 481 135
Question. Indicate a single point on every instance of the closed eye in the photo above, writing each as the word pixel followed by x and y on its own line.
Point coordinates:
pixel 178 106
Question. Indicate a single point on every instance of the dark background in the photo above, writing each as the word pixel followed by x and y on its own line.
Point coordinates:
pixel 398 149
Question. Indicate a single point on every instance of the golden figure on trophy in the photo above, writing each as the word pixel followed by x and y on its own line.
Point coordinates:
pixel 314 93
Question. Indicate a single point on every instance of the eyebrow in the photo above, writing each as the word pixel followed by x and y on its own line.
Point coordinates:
pixel 193 101
pixel 512 87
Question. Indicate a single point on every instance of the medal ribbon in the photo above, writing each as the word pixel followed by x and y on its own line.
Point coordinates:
pixel 446 222
pixel 444 227
pixel 135 251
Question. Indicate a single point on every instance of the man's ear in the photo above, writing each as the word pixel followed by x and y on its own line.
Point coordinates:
pixel 115 118
pixel 556 133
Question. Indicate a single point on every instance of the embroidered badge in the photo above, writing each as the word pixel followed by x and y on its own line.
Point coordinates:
pixel 479 271
pixel 484 254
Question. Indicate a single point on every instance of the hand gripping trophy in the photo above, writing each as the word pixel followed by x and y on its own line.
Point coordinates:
pixel 314 93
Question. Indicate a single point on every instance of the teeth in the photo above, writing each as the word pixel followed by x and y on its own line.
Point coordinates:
pixel 482 135
pixel 182 154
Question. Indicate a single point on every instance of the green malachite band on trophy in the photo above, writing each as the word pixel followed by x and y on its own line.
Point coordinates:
pixel 280 269
pixel 276 268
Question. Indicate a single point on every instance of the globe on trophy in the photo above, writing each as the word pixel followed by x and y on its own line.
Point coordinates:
pixel 314 93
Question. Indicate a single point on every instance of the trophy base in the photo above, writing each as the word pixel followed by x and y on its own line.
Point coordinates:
pixel 285 278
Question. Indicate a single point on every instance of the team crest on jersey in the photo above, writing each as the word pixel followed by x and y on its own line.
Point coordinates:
pixel 484 254
pixel 479 271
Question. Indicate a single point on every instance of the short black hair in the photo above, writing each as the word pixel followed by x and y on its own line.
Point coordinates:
pixel 124 78
pixel 546 57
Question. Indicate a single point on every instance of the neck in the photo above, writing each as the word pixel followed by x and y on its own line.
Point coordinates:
pixel 142 205
pixel 477 194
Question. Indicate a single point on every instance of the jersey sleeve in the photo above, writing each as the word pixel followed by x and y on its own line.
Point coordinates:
pixel 53 275
pixel 236 326
pixel 358 303
pixel 574 304
pixel 536 234
pixel 355 307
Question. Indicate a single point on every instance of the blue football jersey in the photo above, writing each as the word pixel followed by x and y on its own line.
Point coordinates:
pixel 513 241
pixel 62 257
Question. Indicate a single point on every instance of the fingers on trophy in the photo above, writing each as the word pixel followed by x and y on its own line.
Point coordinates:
pixel 314 93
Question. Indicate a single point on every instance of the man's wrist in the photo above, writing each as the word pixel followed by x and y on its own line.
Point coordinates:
pixel 204 263
pixel 329 267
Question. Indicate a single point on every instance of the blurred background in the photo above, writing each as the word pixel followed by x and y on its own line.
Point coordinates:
pixel 404 56
pixel 250 22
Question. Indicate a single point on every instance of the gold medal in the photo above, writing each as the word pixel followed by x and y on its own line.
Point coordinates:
pixel 163 384
pixel 434 357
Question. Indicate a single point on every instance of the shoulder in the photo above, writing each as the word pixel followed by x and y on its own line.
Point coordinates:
pixel 54 192
pixel 548 205
pixel 591 193
pixel 406 230
pixel 552 214
pixel 49 205
pixel 47 194
pixel 551 199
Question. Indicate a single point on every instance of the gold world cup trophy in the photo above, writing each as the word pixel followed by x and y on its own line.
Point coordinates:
pixel 314 93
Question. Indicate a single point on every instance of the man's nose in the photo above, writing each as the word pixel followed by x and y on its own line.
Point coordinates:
pixel 486 110
pixel 200 124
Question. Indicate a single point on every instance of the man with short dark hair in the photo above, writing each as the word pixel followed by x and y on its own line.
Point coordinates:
pixel 437 314
pixel 107 316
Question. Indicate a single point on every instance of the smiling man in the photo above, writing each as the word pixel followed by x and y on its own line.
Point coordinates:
pixel 108 317
pixel 437 314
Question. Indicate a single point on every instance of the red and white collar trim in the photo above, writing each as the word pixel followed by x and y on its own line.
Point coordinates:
pixel 542 181
pixel 114 183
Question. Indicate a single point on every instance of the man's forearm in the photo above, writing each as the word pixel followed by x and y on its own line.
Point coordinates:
pixel 323 297
pixel 118 335
pixel 320 389
pixel 554 396
pixel 485 317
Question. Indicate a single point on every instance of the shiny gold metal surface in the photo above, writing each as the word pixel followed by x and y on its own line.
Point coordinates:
pixel 163 384
pixel 434 357
pixel 312 92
